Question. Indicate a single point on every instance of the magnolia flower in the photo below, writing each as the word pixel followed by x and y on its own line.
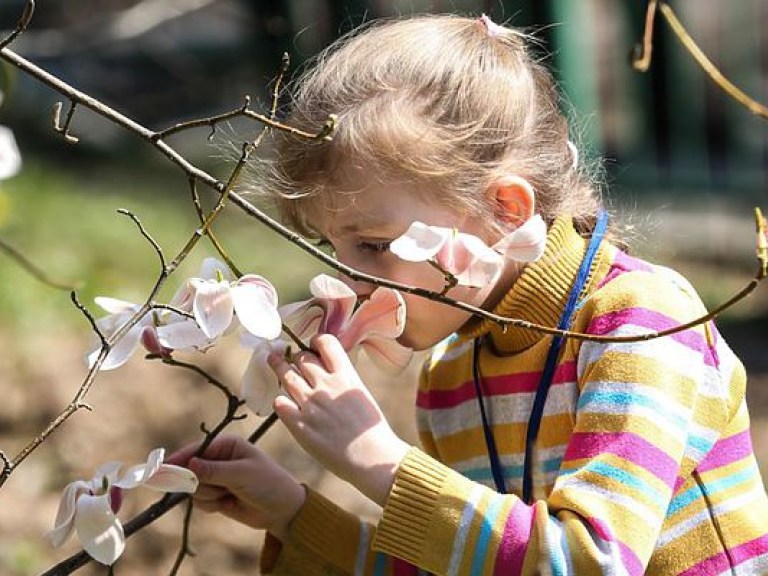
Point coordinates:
pixel 467 257
pixel 214 300
pixel 10 158
pixel 372 327
pixel 120 312
pixel 89 506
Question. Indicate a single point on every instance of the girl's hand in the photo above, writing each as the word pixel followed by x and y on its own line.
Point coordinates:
pixel 242 482
pixel 333 416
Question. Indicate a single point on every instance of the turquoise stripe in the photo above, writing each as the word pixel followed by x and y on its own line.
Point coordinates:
pixel 610 397
pixel 557 562
pixel 700 444
pixel 623 476
pixel 380 565
pixel 511 472
pixel 486 529
pixel 692 494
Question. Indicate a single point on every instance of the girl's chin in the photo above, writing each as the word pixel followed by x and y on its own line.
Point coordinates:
pixel 417 343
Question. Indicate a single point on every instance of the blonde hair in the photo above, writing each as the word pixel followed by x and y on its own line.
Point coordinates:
pixel 436 100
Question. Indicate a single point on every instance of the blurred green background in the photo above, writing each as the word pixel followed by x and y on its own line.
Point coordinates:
pixel 684 164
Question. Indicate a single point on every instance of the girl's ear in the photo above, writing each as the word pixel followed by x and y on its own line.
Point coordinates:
pixel 513 199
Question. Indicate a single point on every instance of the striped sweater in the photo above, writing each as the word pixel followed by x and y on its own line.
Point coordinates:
pixel 643 463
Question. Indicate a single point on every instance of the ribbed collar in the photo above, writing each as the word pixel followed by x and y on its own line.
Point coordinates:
pixel 540 292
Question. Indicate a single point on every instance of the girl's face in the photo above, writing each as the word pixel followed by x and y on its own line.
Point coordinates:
pixel 360 228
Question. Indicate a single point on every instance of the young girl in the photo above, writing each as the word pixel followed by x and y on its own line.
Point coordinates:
pixel 539 454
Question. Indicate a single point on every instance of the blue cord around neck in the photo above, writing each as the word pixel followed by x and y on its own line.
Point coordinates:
pixel 537 411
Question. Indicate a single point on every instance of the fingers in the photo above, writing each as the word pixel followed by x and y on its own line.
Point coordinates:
pixel 292 380
pixel 332 353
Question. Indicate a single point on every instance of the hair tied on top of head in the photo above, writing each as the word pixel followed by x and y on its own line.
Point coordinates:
pixel 492 29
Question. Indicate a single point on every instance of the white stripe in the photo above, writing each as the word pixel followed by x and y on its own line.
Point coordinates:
pixel 467 515
pixel 504 409
pixel 362 550
pixel 756 565
pixel 733 503
pixel 642 511
pixel 665 350
pixel 447 350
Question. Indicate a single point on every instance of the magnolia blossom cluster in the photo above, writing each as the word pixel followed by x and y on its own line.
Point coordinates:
pixel 466 257
pixel 89 507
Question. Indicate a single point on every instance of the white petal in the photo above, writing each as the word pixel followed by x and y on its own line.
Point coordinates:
pixel 10 158
pixel 526 243
pixel 172 478
pixel 115 306
pixel 98 529
pixel 63 525
pixel 259 386
pixel 121 351
pixel 213 307
pixel 210 267
pixel 420 242
pixel 336 299
pixel 182 336
pixel 140 473
pixel 256 311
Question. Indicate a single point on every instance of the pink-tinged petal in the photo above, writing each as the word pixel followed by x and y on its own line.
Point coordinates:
pixel 151 341
pixel 98 529
pixel 387 354
pixel 10 157
pixel 256 310
pixel 526 243
pixel 259 385
pixel 115 306
pixel 183 297
pixel 213 307
pixel 458 253
pixel 420 242
pixel 140 473
pixel 302 318
pixel 336 299
pixel 263 284
pixel 64 523
pixel 383 314
pixel 484 264
pixel 121 351
pixel 183 335
pixel 172 478
pixel 211 268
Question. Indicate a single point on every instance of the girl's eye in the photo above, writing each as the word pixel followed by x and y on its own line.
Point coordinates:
pixel 378 247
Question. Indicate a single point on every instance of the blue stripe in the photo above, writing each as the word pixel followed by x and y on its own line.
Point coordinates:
pixel 380 565
pixel 692 494
pixel 486 529
pixel 511 472
pixel 700 444
pixel 623 476
pixel 611 397
pixel 557 561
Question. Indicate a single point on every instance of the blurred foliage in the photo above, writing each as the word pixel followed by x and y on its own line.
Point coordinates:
pixel 66 222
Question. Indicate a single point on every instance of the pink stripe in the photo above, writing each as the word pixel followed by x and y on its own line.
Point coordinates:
pixel 622 264
pixel 403 568
pixel 727 450
pixel 719 562
pixel 520 383
pixel 654 322
pixel 625 445
pixel 629 559
pixel 514 542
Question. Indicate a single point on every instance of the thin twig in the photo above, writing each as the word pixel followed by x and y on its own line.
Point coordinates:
pixel 21 25
pixel 63 129
pixel 642 58
pixel 158 249
pixel 184 549
pixel 38 273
